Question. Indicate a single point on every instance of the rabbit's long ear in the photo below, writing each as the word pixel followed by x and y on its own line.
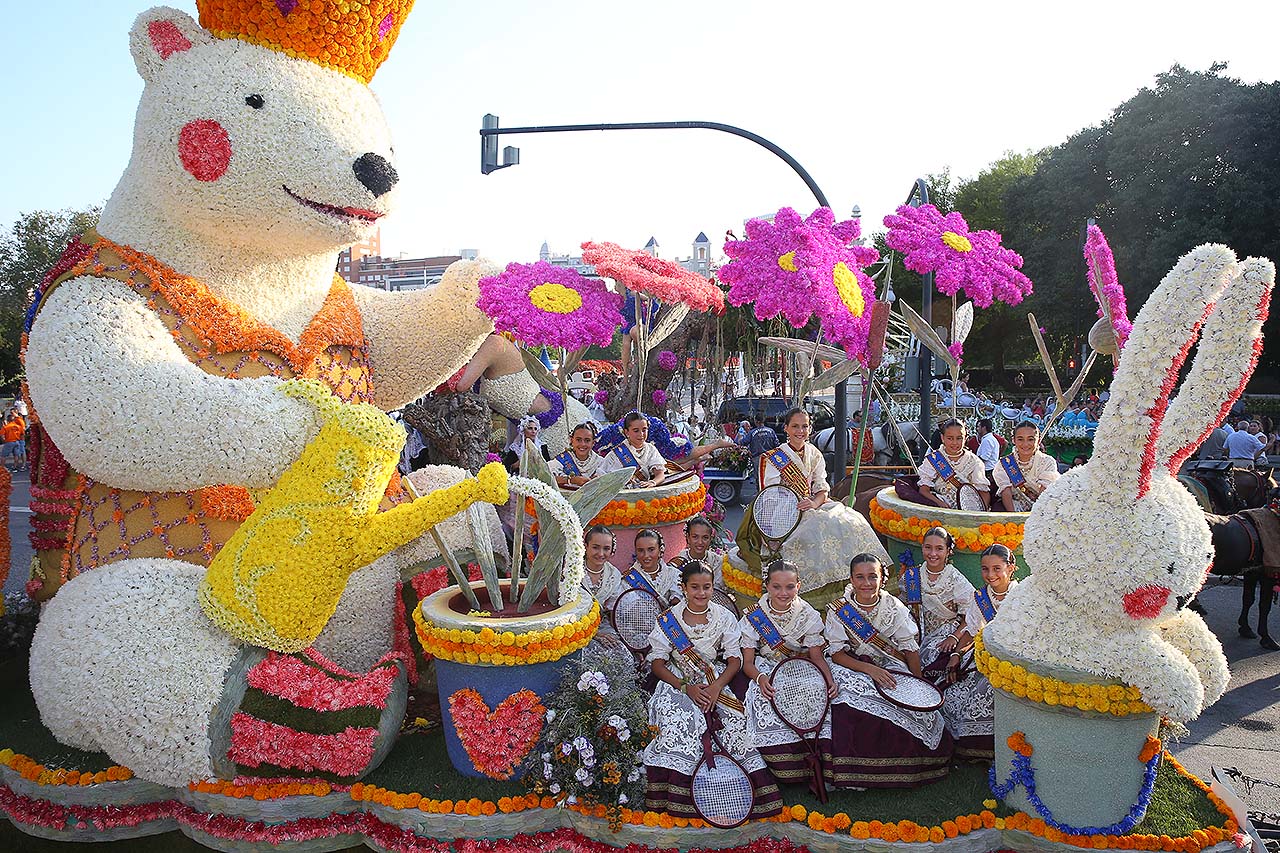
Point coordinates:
pixel 1165 329
pixel 1230 344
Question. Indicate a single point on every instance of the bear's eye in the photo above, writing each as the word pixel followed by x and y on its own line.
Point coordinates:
pixel 255 101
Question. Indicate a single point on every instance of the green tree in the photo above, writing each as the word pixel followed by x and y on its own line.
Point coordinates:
pixel 1194 159
pixel 28 249
pixel 1000 333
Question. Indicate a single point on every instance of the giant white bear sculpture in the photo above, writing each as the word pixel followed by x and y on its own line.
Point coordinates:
pixel 1118 547
pixel 158 349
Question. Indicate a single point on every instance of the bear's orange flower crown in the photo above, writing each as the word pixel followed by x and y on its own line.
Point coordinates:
pixel 351 36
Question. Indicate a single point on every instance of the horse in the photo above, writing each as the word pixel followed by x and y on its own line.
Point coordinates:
pixel 1222 488
pixel 1237 547
pixel 884 441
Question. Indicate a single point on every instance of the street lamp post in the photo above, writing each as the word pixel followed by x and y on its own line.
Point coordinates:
pixel 920 195
pixel 490 132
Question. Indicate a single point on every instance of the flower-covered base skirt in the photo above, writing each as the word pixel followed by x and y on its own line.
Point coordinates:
pixel 869 752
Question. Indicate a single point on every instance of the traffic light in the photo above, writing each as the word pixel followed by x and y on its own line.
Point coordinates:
pixel 489 148
pixel 1071 365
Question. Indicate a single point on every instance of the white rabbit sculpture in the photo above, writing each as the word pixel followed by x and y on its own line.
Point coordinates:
pixel 1118 547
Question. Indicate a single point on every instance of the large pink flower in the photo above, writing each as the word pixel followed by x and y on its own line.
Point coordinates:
pixel 797 268
pixel 973 261
pixel 659 278
pixel 546 305
pixel 1098 257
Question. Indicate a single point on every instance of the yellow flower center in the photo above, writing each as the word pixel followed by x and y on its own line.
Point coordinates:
pixel 959 242
pixel 849 289
pixel 788 262
pixel 555 298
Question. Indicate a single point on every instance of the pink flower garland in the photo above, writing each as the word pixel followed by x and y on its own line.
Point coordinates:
pixel 546 305
pixel 287 677
pixel 797 268
pixel 256 742
pixel 659 278
pixel 1097 252
pixel 973 261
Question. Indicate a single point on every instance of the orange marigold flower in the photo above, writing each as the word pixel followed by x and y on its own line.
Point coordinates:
pixel 988 818
pixel 936 835
pixel 798 812
pixel 962 824
pixel 1149 750
pixel 841 820
pixel 1018 743
pixel 860 829
pixel 815 820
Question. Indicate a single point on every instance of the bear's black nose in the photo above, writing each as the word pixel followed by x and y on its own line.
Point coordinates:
pixel 375 173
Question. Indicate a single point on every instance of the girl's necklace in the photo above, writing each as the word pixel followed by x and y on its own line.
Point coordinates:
pixel 688 609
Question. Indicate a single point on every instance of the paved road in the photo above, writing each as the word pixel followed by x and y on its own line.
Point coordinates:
pixel 1239 731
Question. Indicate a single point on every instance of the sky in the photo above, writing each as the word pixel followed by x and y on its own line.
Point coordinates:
pixel 867 97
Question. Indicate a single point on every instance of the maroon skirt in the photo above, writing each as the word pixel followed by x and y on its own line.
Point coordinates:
pixel 868 752
pixel 790 762
pixel 671 792
pixel 976 748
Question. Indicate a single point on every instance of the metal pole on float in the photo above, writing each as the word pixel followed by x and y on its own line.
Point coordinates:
pixel 920 195
pixel 490 131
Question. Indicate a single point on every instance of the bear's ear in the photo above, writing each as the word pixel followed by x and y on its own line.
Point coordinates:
pixel 158 34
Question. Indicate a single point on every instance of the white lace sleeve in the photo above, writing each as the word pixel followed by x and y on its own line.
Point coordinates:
pixel 659 645
pixel 836 636
pixel 731 635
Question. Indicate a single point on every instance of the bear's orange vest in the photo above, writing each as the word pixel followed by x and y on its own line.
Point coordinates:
pixel 102 524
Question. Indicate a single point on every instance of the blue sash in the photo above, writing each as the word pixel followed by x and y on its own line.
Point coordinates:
pixel 625 456
pixel 910 583
pixel 671 626
pixel 858 624
pixel 569 464
pixel 764 627
pixel 1011 468
pixel 983 599
pixel 790 474
pixel 940 464
pixel 635 579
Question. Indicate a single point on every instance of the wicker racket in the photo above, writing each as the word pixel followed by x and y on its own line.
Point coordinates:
pixel 635 613
pixel 776 512
pixel 911 693
pixel 800 700
pixel 723 794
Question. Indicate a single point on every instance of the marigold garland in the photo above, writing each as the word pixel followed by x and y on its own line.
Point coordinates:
pixel 1116 699
pixel 739 581
pixel 505 648
pixel 890 522
pixel 260 791
pixel 33 771
pixel 651 513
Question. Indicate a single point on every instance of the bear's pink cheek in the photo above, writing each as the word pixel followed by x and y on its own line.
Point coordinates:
pixel 1146 602
pixel 205 149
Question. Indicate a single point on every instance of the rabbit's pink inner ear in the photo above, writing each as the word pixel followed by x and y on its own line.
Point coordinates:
pixel 1184 453
pixel 1161 406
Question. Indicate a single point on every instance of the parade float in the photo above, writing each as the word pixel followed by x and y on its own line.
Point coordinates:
pixel 240 600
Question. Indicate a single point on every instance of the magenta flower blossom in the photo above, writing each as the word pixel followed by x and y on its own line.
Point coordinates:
pixel 957 351
pixel 972 261
pixel 1098 259
pixel 797 268
pixel 602 397
pixel 667 360
pixel 659 278
pixel 659 397
pixel 545 305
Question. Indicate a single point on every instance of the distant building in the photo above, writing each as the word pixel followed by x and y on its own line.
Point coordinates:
pixel 404 273
pixel 349 258
pixel 699 261
pixel 573 262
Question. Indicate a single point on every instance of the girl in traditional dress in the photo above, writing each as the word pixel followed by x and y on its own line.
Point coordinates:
pixel 698 536
pixel 691 684
pixel 1024 474
pixel 946 470
pixel 579 463
pixel 652 570
pixel 636 451
pixel 944 598
pixel 600 577
pixel 876 743
pixel 529 429
pixel 799 632
pixel 969 702
pixel 827 529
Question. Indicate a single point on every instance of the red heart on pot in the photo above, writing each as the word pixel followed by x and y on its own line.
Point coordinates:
pixel 497 741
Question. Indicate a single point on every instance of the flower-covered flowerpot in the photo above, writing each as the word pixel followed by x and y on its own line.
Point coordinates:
pixel 1072 749
pixel 664 508
pixel 492 674
pixel 903 524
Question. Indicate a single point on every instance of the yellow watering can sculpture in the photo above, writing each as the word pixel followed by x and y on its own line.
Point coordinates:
pixel 277 581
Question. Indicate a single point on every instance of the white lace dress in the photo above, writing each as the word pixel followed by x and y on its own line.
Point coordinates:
pixel 894 623
pixel 714 560
pixel 666 582
pixel 680 723
pixel 801 628
pixel 968 469
pixel 969 704
pixel 1040 471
